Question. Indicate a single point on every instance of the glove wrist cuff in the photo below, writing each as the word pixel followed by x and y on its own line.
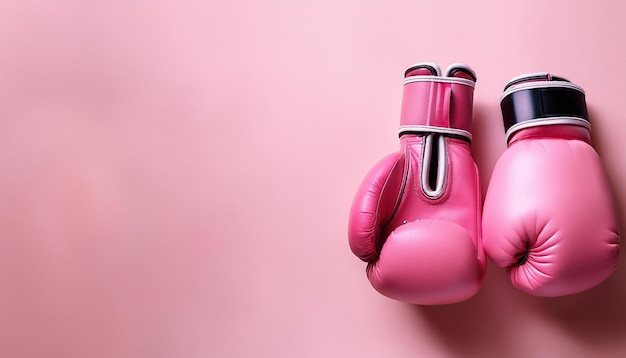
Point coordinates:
pixel 540 100
pixel 435 103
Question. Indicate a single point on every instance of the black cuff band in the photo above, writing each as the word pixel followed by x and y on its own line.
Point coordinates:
pixel 542 102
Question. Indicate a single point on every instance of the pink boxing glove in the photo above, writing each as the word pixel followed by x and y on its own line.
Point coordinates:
pixel 416 217
pixel 549 215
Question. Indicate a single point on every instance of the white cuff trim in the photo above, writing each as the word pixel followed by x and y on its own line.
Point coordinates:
pixel 546 122
pixel 540 84
pixel 456 80
pixel 432 129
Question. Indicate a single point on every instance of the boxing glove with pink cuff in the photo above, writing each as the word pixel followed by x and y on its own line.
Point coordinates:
pixel 415 218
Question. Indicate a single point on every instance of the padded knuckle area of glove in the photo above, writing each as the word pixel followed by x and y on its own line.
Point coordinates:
pixel 426 256
pixel 426 262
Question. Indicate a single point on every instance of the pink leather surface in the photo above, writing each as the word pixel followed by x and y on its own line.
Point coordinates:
pixel 426 103
pixel 175 177
pixel 431 252
pixel 418 248
pixel 549 199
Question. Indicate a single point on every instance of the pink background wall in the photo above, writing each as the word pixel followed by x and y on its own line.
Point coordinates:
pixel 175 177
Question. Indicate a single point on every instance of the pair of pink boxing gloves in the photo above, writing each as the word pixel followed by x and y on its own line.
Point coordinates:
pixel 549 217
